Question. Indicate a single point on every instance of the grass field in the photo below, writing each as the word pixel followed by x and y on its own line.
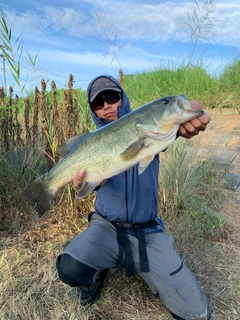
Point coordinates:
pixel 192 194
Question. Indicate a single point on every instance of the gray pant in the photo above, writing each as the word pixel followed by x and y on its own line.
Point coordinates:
pixel 169 277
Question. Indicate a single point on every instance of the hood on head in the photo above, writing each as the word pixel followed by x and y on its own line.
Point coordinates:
pixel 99 84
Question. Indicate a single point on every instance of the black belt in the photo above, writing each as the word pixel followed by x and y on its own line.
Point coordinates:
pixel 124 244
pixel 127 226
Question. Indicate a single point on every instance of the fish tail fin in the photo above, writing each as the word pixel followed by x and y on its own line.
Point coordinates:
pixel 38 195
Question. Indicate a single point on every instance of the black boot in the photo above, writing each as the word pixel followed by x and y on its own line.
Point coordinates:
pixel 90 294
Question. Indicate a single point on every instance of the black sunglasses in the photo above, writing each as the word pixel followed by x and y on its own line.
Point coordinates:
pixel 98 104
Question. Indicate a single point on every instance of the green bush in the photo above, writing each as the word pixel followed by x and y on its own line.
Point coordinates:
pixel 19 166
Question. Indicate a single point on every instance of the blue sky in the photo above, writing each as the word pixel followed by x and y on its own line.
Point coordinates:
pixel 77 36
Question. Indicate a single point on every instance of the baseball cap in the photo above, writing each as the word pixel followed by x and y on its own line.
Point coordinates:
pixel 100 85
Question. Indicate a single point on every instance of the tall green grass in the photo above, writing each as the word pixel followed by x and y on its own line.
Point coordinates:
pixel 229 78
pixel 194 81
pixel 191 191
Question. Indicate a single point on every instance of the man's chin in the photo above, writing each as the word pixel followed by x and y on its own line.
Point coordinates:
pixel 111 117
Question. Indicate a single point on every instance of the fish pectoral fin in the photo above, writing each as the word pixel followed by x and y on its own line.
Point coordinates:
pixel 131 151
pixel 72 143
pixel 144 163
pixel 86 188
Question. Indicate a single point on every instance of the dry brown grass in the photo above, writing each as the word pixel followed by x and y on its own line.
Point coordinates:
pixel 30 288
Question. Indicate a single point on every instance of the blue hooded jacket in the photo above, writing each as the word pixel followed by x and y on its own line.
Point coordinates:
pixel 128 196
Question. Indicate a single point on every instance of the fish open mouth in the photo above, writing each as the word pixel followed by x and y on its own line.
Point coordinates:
pixel 194 111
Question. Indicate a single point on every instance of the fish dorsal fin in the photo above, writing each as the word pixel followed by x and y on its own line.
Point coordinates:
pixel 144 163
pixel 131 151
pixel 72 143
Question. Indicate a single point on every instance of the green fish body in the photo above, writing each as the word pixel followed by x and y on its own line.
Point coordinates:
pixel 133 139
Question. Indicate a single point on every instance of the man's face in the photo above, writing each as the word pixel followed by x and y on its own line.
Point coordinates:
pixel 106 104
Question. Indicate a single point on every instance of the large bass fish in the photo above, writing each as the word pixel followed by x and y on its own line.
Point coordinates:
pixel 133 139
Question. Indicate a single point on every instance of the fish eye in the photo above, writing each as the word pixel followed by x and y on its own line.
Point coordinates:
pixel 165 100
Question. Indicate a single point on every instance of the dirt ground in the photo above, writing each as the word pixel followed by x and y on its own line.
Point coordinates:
pixel 221 144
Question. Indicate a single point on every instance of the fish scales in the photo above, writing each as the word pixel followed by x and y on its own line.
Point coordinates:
pixel 103 150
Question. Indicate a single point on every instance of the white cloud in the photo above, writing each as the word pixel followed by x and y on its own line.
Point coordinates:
pixel 65 32
pixel 72 21
pixel 132 20
pixel 227 18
